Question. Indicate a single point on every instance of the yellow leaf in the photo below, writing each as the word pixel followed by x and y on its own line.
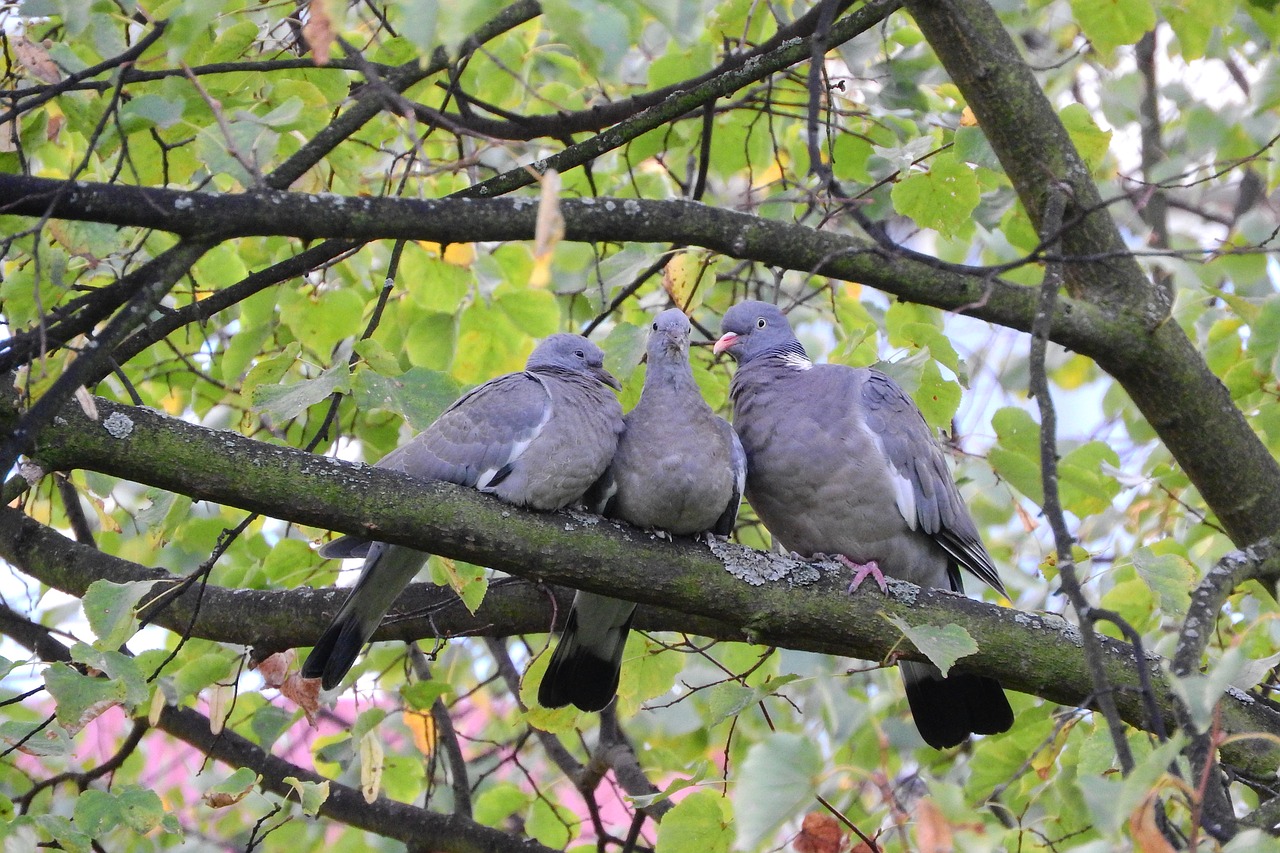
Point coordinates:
pixel 968 119
pixel 459 254
pixel 680 278
pixel 423 729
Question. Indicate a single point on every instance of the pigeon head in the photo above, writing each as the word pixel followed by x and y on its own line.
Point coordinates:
pixel 571 354
pixel 754 329
pixel 669 335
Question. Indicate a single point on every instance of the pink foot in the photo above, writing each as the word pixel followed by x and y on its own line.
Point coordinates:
pixel 861 571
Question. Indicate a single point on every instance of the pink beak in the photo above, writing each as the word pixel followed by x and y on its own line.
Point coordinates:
pixel 727 340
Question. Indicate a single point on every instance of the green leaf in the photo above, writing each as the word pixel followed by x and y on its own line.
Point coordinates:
pixel 937 397
pixel 1194 23
pixel 240 782
pixel 1170 576
pixel 534 311
pixel 1111 802
pixel 1016 455
pixel 701 822
pixel 68 837
pixel 111 609
pixel 1083 486
pixel 728 699
pixel 311 795
pixel 433 284
pixel 1112 23
pixel 647 672
pixel 778 777
pixel 674 786
pixel 498 803
pixel 419 395
pixel 942 198
pixel 1090 140
pixel 421 695
pixel 48 741
pixel 76 693
pixel 943 646
pixel 367 722
pixel 285 402
pixel 321 320
pixel 623 349
pixel 200 672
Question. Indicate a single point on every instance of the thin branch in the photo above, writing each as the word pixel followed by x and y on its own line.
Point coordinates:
pixel 1054 207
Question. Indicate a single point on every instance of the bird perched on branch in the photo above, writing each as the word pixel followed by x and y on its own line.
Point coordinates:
pixel 538 438
pixel 678 468
pixel 841 463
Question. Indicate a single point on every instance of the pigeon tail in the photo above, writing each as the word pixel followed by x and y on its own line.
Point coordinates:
pixel 583 674
pixel 948 710
pixel 335 652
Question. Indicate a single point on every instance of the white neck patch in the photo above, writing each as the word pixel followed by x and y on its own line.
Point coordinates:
pixel 796 361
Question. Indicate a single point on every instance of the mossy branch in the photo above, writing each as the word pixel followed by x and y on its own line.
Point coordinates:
pixel 753 596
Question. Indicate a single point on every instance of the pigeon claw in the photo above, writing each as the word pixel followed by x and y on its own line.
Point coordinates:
pixel 861 571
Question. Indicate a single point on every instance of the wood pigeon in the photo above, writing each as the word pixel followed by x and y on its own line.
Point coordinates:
pixel 679 468
pixel 841 462
pixel 538 438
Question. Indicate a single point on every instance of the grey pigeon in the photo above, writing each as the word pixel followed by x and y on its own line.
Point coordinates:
pixel 538 438
pixel 678 468
pixel 841 462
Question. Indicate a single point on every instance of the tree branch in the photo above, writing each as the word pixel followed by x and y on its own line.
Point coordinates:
pixel 766 599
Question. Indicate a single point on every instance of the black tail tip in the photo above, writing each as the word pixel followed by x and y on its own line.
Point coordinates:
pixel 579 679
pixel 334 654
pixel 948 710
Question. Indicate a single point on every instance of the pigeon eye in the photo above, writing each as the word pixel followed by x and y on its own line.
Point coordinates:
pixel 579 353
pixel 655 325
pixel 760 324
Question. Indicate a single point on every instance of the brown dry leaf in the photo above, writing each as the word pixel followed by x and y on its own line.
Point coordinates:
pixel 549 229
pixel 222 799
pixel 36 59
pixel 933 832
pixel 820 833
pixel 318 31
pixel 1028 523
pixel 1147 837
pixel 305 693
pixel 275 669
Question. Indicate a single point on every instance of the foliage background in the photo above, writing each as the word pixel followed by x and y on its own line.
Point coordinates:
pixel 819 156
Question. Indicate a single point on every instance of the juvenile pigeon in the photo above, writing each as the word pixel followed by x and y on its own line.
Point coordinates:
pixel 538 438
pixel 678 468
pixel 842 463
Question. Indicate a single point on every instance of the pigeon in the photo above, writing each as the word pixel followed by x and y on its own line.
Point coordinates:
pixel 679 468
pixel 538 438
pixel 840 462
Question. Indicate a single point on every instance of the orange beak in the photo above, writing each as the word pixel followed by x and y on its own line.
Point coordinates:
pixel 727 340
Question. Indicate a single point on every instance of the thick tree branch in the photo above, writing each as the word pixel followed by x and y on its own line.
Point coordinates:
pixel 769 600
pixel 1153 359
pixel 741 235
